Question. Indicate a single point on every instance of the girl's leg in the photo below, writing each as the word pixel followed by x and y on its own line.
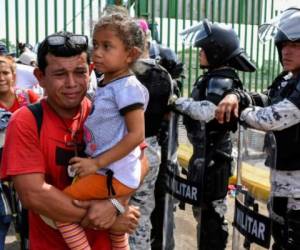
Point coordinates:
pixel 119 241
pixel 74 236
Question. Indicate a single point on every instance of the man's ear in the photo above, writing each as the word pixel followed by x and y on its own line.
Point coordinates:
pixel 39 75
pixel 134 54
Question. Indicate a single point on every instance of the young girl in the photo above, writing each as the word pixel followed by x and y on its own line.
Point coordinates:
pixel 115 127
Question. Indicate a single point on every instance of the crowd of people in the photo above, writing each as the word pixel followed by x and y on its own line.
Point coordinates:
pixel 86 135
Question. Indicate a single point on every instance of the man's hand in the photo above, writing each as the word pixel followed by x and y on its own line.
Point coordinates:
pixel 127 222
pixel 101 214
pixel 83 166
pixel 227 107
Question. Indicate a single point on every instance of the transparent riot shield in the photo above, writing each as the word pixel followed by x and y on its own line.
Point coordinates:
pixel 180 227
pixel 256 159
pixel 171 170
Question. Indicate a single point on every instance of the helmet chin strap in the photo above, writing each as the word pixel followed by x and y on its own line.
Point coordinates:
pixel 296 73
pixel 204 66
pixel 208 67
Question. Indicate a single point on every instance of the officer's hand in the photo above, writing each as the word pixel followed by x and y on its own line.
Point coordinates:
pixel 101 214
pixel 227 107
pixel 127 222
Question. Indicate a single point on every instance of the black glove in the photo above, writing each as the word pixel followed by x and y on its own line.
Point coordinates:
pixel 163 132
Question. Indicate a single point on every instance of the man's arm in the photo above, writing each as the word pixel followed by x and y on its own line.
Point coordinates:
pixel 45 199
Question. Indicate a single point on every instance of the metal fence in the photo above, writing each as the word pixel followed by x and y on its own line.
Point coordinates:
pixel 31 20
pixel 243 15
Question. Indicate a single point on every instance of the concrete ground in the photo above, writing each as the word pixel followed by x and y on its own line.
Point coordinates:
pixel 11 242
pixel 185 231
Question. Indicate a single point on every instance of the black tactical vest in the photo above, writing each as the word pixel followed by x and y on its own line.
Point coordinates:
pixel 217 135
pixel 159 84
pixel 288 140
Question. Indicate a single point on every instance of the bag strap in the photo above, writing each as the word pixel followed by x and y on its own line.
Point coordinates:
pixel 37 111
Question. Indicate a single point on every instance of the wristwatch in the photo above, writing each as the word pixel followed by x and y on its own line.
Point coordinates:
pixel 118 206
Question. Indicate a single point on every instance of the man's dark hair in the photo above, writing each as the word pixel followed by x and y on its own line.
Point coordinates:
pixel 68 49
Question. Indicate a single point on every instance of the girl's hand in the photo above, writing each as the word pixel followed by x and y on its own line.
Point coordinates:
pixel 127 222
pixel 84 166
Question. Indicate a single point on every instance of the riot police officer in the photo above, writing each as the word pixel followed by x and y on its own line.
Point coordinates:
pixel 281 113
pixel 159 84
pixel 163 66
pixel 168 59
pixel 220 56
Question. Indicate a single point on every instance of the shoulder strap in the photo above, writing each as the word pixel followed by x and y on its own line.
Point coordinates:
pixel 37 111
pixel 282 76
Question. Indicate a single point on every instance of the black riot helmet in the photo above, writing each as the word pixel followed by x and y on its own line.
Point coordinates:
pixel 280 38
pixel 284 28
pixel 221 46
pixel 288 29
pixel 167 58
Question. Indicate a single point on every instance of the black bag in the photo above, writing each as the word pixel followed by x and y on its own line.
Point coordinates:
pixel 5 207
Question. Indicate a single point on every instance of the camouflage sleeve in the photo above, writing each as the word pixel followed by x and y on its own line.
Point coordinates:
pixel 197 110
pixel 279 116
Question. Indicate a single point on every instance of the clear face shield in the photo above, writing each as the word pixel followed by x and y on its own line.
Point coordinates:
pixel 287 22
pixel 199 31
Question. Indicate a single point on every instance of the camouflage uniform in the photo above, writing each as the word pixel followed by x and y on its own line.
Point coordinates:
pixel 144 198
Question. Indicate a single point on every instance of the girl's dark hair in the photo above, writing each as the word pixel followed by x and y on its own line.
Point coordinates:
pixel 125 27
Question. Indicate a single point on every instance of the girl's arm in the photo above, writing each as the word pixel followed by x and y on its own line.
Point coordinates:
pixel 134 120
pixel 136 134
